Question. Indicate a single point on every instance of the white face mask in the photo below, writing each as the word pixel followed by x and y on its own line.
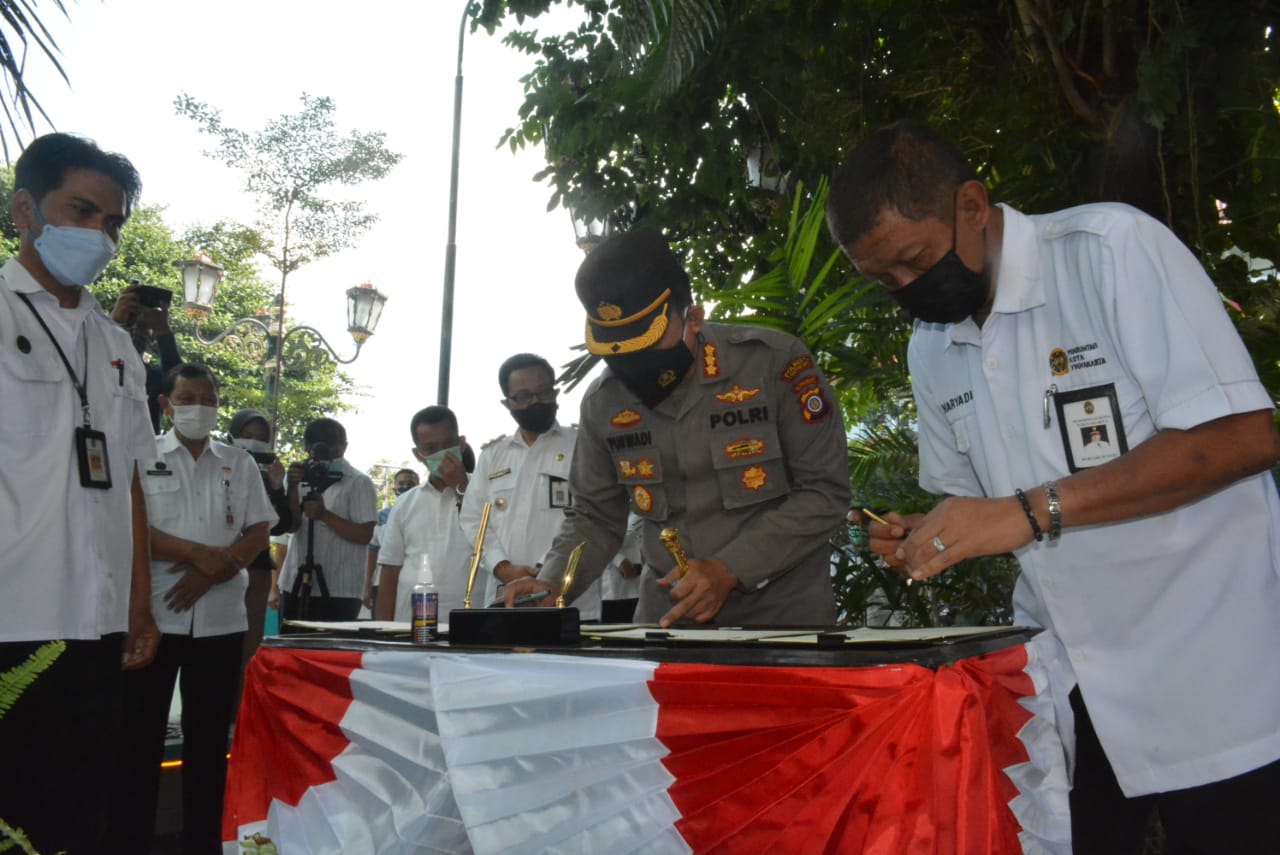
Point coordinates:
pixel 74 256
pixel 261 446
pixel 194 421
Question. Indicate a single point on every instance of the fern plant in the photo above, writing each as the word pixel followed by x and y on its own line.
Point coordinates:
pixel 13 683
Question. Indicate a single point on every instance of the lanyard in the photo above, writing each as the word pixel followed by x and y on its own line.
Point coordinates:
pixel 81 385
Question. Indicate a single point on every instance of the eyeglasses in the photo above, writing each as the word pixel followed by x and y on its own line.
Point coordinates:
pixel 524 399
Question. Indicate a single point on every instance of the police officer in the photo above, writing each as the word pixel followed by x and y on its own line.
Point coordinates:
pixel 726 433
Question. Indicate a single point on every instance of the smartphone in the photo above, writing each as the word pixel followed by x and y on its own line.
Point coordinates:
pixel 154 297
pixel 263 458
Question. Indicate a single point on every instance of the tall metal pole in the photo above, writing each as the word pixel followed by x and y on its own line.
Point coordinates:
pixel 451 247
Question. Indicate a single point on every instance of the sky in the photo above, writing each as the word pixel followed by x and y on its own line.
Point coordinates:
pixel 389 66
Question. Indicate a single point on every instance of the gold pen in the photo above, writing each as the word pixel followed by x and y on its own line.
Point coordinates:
pixel 877 518
pixel 671 540
pixel 476 553
pixel 570 569
pixel 884 521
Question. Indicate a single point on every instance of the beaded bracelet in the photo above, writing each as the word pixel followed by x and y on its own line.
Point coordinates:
pixel 1031 517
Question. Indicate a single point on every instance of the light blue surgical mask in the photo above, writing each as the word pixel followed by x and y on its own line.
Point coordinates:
pixel 433 461
pixel 74 256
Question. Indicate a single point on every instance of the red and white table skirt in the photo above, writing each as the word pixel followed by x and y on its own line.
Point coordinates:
pixel 340 751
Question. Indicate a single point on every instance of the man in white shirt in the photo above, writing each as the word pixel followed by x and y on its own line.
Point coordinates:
pixel 425 521
pixel 210 516
pixel 1155 568
pixel 341 512
pixel 526 477
pixel 74 562
pixel 402 482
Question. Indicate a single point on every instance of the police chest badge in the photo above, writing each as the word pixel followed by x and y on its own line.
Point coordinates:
pixel 754 478
pixel 737 395
pixel 625 418
pixel 643 499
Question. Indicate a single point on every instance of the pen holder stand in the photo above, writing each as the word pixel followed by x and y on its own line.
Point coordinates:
pixel 532 626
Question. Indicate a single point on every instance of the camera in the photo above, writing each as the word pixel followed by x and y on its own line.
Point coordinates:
pixel 154 297
pixel 318 476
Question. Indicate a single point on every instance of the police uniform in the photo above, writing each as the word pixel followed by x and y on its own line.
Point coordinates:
pixel 746 458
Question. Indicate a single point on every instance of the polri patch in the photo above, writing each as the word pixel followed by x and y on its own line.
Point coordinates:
pixel 625 418
pixel 737 395
pixel 643 499
pixel 796 366
pixel 744 448
pixel 804 384
pixel 814 404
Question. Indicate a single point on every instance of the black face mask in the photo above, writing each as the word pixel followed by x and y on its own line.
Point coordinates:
pixel 652 374
pixel 946 293
pixel 536 418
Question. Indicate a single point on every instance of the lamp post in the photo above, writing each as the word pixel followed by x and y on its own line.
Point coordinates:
pixel 263 337
pixel 451 245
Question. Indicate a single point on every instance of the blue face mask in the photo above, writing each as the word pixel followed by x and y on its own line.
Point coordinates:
pixel 74 256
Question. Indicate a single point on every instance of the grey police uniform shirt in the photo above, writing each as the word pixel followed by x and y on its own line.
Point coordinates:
pixel 747 459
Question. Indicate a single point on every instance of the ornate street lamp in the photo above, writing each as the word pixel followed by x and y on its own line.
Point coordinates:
pixel 589 231
pixel 263 337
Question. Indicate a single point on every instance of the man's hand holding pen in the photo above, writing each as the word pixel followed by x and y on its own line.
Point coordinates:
pixel 522 588
pixel 703 588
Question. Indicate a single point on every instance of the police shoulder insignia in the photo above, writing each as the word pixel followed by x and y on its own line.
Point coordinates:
pixel 710 360
pixel 737 395
pixel 643 498
pixel 1058 362
pixel 754 478
pixel 626 418
pixel 804 384
pixel 814 405
pixel 796 366
pixel 744 448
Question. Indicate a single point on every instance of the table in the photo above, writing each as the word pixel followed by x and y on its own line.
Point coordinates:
pixel 352 745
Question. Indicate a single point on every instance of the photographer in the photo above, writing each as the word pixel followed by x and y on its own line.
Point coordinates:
pixel 335 517
pixel 251 431
pixel 143 310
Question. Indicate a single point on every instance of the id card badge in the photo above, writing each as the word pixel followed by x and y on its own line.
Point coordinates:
pixel 91 453
pixel 1092 431
pixel 558 492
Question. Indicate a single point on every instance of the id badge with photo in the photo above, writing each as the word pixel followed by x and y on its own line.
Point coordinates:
pixel 1092 430
pixel 91 453
pixel 558 492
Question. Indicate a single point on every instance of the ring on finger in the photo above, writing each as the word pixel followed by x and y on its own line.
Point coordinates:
pixel 938 544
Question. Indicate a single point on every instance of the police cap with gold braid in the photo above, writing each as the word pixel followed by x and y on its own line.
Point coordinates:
pixel 628 285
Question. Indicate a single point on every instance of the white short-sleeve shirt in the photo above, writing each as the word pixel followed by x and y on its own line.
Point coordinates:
pixel 66 551
pixel 425 521
pixel 210 500
pixel 353 498
pixel 1170 621
pixel 529 488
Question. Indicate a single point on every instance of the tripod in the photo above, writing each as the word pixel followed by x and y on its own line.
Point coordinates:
pixel 309 571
